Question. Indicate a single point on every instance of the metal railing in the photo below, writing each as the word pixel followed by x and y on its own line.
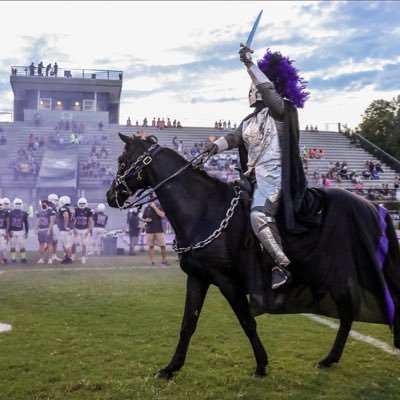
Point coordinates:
pixel 67 73
pixel 378 152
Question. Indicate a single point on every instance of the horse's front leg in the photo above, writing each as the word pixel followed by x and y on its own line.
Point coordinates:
pixel 240 305
pixel 196 290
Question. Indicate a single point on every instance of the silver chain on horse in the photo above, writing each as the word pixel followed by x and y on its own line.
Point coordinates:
pixel 216 233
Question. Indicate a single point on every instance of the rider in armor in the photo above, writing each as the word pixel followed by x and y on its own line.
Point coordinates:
pixel 274 82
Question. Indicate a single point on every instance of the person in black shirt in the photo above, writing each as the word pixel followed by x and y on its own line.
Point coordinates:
pixel 18 231
pixel 153 215
pixel 45 218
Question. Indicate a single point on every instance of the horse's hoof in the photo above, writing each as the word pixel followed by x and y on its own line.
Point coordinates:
pixel 260 373
pixel 163 374
pixel 325 363
pixel 321 365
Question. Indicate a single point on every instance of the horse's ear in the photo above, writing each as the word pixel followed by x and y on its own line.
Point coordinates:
pixel 152 139
pixel 124 138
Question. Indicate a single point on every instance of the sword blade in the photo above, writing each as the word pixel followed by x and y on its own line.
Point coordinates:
pixel 253 31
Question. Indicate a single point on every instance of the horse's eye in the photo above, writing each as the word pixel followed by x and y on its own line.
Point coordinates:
pixel 122 165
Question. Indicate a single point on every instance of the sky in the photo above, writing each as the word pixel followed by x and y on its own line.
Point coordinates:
pixel 180 58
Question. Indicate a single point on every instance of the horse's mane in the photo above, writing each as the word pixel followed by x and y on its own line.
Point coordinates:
pixel 203 174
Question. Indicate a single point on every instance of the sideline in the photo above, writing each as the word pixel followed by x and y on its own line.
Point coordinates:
pixel 5 327
pixel 355 335
pixel 88 269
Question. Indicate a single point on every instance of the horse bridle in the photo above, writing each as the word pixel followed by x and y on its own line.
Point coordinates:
pixel 145 159
pixel 134 170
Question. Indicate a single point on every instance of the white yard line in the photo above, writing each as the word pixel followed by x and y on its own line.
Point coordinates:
pixel 358 336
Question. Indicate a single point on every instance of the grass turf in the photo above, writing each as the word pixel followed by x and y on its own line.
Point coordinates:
pixel 102 330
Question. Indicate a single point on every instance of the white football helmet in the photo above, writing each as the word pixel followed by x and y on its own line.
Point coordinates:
pixel 101 207
pixel 17 204
pixel 64 200
pixel 6 202
pixel 53 198
pixel 82 203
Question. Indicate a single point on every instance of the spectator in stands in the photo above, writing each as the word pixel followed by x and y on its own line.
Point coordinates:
pixel 31 142
pixel 129 122
pixel 145 122
pixel 81 128
pixel 326 182
pixel 36 119
pixel 103 152
pixel 312 154
pixel 153 123
pixel 374 173
pixel 31 69
pixel 169 124
pixel 378 167
pixel 55 69
pixel 174 123
pixel 396 183
pixel 100 125
pixel 3 140
pixel 178 125
pixel 48 69
pixel 175 144
pixel 73 138
pixel 40 68
pixel 366 173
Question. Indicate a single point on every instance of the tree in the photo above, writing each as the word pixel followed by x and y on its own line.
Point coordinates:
pixel 381 125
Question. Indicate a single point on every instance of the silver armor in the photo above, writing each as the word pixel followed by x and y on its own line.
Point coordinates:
pixel 260 135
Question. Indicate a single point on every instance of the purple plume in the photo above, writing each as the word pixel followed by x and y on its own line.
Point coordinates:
pixel 285 77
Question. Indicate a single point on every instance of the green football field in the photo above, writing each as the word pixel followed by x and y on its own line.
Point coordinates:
pixel 102 330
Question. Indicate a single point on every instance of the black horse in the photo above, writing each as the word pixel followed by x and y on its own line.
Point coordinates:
pixel 347 266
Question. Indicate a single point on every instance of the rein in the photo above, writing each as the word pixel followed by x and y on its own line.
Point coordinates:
pixel 134 170
pixel 144 160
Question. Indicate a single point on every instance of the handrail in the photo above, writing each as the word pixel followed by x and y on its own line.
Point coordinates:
pixel 17 70
pixel 378 152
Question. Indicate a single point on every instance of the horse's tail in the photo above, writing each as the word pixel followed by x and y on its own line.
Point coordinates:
pixel 391 270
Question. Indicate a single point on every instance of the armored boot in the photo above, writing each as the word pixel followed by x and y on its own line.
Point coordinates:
pixel 265 228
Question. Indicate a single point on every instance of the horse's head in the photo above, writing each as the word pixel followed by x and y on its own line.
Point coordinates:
pixel 131 172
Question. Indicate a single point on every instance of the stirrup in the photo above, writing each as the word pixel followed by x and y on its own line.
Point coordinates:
pixel 279 277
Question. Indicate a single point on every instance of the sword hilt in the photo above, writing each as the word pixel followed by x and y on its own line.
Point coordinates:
pixel 248 48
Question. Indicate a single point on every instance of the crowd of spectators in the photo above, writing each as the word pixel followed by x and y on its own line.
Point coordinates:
pixel 40 70
pixel 224 125
pixel 25 165
pixel 311 128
